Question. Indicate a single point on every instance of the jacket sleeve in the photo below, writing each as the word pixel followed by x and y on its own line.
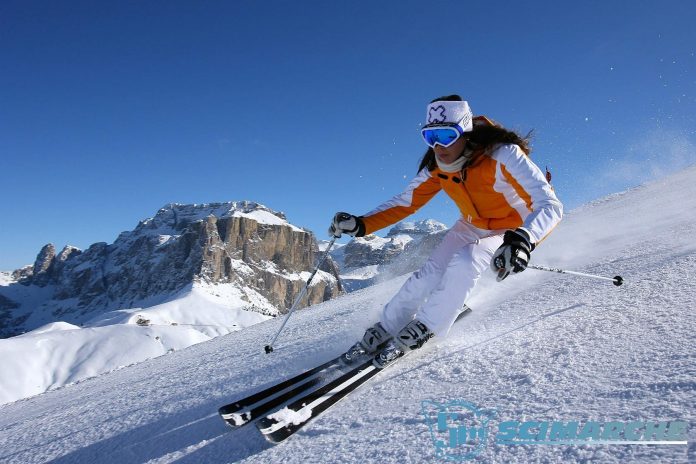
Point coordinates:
pixel 533 196
pixel 419 191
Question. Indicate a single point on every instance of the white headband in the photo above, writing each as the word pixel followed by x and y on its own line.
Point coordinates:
pixel 450 112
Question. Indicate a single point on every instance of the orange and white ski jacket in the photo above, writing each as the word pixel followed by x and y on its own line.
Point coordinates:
pixel 500 190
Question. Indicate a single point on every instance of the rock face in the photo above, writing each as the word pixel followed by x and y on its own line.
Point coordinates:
pixel 242 243
pixel 48 266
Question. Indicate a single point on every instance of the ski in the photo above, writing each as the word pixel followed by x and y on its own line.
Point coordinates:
pixel 245 410
pixel 280 425
pixel 248 409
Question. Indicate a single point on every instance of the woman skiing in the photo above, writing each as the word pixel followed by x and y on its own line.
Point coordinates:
pixel 507 207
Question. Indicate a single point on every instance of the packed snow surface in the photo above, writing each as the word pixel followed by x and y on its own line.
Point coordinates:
pixel 538 346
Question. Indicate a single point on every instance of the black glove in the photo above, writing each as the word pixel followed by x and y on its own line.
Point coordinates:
pixel 348 224
pixel 513 255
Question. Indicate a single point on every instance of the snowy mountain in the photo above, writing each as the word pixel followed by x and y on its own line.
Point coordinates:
pixel 244 245
pixel 189 274
pixel 538 347
pixel 365 261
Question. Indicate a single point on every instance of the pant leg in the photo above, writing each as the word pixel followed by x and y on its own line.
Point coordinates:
pixel 456 284
pixel 405 304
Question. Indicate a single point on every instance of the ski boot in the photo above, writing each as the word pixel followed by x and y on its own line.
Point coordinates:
pixel 411 337
pixel 374 337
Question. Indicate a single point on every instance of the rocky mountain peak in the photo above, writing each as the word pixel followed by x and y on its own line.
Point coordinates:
pixel 44 259
pixel 67 253
pixel 243 244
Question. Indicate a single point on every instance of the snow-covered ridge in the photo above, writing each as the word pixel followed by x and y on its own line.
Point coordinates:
pixel 171 217
pixel 6 278
pixel 424 227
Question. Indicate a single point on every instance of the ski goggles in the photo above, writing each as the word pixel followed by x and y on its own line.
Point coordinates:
pixel 443 135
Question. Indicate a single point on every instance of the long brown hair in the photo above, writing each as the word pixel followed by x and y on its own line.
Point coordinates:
pixel 484 135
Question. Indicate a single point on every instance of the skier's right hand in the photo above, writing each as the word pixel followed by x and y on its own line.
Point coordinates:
pixel 348 224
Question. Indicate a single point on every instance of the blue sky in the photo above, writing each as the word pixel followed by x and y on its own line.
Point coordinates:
pixel 110 110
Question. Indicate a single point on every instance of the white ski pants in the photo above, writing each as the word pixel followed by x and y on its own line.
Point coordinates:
pixel 436 292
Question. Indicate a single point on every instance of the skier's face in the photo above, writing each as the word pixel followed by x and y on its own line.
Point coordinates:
pixel 448 155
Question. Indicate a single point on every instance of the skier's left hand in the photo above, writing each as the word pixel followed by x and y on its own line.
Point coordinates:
pixel 513 255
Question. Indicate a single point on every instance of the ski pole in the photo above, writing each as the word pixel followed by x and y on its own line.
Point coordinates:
pixel 617 280
pixel 269 347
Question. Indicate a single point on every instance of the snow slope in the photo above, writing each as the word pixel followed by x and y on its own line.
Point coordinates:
pixel 60 353
pixel 539 346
